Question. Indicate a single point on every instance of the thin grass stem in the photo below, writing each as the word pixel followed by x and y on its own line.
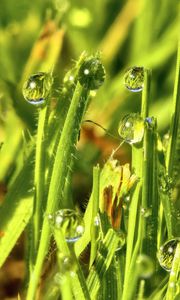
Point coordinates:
pixel 175 120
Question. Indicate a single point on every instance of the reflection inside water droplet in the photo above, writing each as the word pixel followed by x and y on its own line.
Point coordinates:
pixel 134 79
pixel 91 73
pixel 166 253
pixel 70 222
pixel 37 88
pixel 131 128
pixel 66 263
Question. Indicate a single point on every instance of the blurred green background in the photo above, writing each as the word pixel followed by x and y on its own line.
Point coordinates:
pixel 46 35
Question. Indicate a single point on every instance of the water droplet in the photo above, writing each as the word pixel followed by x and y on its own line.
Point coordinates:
pixel 97 221
pixel 125 206
pixel 127 199
pixel 146 212
pixel 166 254
pixel 66 263
pixel 131 128
pixel 166 183
pixel 134 79
pixel 59 279
pixel 37 88
pixel 165 142
pixel 145 266
pixel 149 120
pixel 91 73
pixel 70 78
pixel 72 274
pixel 122 239
pixel 70 222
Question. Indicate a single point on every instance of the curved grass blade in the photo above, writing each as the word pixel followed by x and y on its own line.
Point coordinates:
pixel 16 211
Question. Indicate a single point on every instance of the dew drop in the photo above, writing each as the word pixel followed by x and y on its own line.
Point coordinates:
pixel 66 263
pixel 166 183
pixel 37 88
pixel 59 279
pixel 165 142
pixel 131 128
pixel 122 240
pixel 134 79
pixel 125 206
pixel 97 221
pixel 70 78
pixel 91 73
pixel 166 254
pixel 72 274
pixel 70 222
pixel 127 199
pixel 149 120
pixel 145 266
pixel 146 212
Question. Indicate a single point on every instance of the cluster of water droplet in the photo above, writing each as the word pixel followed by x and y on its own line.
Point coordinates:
pixel 166 183
pixel 37 88
pixel 166 253
pixel 91 73
pixel 131 128
pixel 134 79
pixel 70 222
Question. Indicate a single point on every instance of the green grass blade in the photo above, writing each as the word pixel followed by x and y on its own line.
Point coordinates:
pixel 16 211
pixel 60 170
pixel 175 123
pixel 137 166
pixel 94 229
pixel 75 280
pixel 39 177
pixel 102 262
pixel 172 284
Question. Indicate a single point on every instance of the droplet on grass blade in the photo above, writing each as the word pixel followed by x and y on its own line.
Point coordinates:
pixel 66 263
pixel 70 78
pixel 166 184
pixel 166 253
pixel 91 73
pixel 134 79
pixel 146 212
pixel 70 222
pixel 59 279
pixel 127 199
pixel 122 239
pixel 145 266
pixel 37 88
pixel 165 142
pixel 131 128
pixel 97 221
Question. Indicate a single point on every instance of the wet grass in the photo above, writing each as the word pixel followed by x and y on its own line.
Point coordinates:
pixel 121 191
